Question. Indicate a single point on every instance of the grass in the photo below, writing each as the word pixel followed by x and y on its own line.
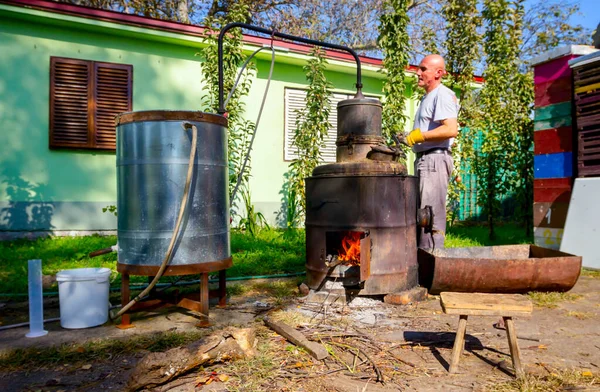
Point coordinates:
pixel 554 382
pixel 551 300
pixel 591 273
pixel 580 315
pixel 97 350
pixel 466 235
pixel 271 252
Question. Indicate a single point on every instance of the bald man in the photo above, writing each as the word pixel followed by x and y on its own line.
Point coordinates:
pixel 433 132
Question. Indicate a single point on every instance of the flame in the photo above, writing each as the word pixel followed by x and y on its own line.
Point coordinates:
pixel 350 248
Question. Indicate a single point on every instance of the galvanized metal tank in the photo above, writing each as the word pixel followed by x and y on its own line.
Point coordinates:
pixel 153 152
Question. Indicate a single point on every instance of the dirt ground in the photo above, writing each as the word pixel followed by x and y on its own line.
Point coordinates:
pixel 408 346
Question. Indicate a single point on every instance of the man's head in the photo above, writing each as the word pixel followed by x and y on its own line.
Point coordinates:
pixel 430 72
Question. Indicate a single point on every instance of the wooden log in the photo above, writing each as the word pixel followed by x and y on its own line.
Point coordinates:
pixel 156 369
pixel 314 349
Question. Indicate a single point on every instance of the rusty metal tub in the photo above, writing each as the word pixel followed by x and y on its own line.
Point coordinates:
pixel 497 269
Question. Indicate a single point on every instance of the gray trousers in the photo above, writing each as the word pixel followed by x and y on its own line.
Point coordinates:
pixel 434 172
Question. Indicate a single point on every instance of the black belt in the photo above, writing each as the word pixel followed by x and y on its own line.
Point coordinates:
pixel 433 151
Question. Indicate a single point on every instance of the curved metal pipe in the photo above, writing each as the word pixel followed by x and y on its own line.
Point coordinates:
pixel 274 33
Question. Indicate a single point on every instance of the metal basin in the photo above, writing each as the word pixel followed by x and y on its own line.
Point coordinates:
pixel 497 269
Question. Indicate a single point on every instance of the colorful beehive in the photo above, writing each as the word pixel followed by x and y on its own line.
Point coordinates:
pixel 554 162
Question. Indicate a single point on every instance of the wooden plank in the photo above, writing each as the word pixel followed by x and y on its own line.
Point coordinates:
pixel 486 304
pixel 553 140
pixel 552 92
pixel 557 165
pixel 550 214
pixel 316 350
pixel 553 111
pixel 552 70
pixel 587 89
pixel 459 343
pixel 564 121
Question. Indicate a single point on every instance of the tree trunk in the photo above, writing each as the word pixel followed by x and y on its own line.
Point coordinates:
pixel 159 368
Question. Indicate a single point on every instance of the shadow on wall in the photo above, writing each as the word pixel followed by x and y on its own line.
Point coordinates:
pixel 25 207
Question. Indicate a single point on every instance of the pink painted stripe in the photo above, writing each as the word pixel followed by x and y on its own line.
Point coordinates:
pixel 552 70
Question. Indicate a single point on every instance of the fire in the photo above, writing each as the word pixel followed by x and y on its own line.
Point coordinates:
pixel 350 248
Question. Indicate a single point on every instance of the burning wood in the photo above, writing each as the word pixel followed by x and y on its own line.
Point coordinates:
pixel 350 252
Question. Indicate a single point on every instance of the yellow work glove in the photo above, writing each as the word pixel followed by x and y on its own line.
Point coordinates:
pixel 414 137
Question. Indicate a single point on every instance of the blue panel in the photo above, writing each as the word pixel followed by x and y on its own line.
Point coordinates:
pixel 553 165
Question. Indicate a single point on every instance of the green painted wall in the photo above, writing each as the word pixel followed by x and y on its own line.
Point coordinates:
pixel 43 189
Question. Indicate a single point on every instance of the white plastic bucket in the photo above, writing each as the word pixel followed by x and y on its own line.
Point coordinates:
pixel 83 297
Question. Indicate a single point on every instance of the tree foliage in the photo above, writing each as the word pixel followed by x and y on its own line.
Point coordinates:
pixel 394 42
pixel 355 23
pixel 462 54
pixel 239 129
pixel 312 126
pixel 505 103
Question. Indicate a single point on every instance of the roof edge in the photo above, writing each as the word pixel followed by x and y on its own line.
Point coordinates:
pixel 567 50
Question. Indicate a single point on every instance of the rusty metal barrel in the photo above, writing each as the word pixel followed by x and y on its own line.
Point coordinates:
pixel 376 199
pixel 153 151
pixel 497 269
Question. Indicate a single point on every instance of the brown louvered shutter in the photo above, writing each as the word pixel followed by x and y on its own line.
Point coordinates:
pixel 112 96
pixel 69 101
pixel 587 116
pixel 85 97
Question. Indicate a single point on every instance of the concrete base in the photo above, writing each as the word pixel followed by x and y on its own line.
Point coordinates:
pixel 407 296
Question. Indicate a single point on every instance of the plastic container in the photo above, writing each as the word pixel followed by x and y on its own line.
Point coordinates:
pixel 83 297
pixel 36 301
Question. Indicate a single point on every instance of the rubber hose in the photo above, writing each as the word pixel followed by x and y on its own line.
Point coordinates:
pixel 182 210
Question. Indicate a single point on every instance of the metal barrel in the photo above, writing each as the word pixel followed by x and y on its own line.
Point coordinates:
pixel 359 116
pixel 153 151
pixel 497 269
pixel 377 202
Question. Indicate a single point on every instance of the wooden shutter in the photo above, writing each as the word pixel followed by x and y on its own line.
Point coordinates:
pixel 587 117
pixel 112 96
pixel 85 97
pixel 69 102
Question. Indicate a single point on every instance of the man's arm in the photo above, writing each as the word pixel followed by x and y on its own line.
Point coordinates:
pixel 447 130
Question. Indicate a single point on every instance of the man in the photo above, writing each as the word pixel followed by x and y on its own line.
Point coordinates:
pixel 433 132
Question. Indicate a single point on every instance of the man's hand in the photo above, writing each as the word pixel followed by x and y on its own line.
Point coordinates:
pixel 414 137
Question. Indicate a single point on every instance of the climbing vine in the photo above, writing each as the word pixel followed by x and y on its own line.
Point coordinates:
pixel 504 104
pixel 394 42
pixel 239 129
pixel 462 53
pixel 312 126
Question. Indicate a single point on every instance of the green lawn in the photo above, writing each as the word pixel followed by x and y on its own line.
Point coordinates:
pixel 273 252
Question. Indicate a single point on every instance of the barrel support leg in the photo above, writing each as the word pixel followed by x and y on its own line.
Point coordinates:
pixel 125 298
pixel 204 298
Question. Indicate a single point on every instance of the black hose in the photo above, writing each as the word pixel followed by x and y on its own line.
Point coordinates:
pixel 274 33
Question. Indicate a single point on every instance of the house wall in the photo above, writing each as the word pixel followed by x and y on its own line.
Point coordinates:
pixel 553 144
pixel 65 190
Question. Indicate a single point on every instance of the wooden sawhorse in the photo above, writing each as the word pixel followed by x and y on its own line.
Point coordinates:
pixel 476 304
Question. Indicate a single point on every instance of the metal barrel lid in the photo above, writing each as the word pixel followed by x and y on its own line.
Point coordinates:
pixel 169 115
pixel 359 101
pixel 366 167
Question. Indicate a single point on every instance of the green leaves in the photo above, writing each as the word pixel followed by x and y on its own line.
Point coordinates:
pixel 312 126
pixel 239 129
pixel 394 42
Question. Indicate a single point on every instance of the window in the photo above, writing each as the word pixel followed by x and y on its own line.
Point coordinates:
pixel 85 97
pixel 295 99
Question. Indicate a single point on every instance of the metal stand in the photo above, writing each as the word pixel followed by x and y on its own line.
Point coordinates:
pixel 197 302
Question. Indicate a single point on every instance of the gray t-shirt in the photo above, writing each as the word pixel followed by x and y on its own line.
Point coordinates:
pixel 440 104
